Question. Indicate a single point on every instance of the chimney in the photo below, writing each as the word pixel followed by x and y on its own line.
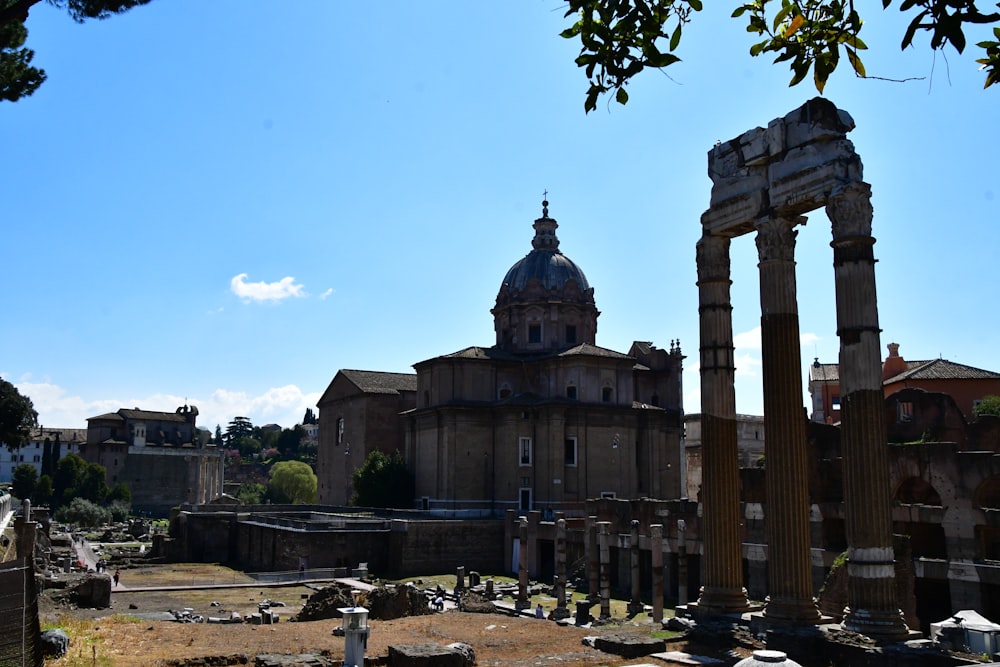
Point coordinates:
pixel 894 364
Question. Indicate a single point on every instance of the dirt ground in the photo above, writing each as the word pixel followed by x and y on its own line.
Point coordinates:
pixel 126 635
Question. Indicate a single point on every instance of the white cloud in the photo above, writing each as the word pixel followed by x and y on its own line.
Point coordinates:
pixel 285 405
pixel 325 294
pixel 262 291
pixel 747 340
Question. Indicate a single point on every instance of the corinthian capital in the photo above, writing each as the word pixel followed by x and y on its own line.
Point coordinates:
pixel 849 208
pixel 776 238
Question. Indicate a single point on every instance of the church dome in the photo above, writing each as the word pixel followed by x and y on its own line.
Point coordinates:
pixel 552 269
pixel 545 303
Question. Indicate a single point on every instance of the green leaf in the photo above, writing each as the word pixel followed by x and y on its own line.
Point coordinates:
pixel 695 5
pixel 621 96
pixel 856 63
pixel 675 38
pixel 738 12
pixel 782 15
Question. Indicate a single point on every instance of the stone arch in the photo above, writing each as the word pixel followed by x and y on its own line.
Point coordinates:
pixel 917 491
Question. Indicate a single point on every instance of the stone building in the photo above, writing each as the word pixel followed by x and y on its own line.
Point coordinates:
pixel 358 413
pixel 161 456
pixel 965 384
pixel 545 418
pixel 749 445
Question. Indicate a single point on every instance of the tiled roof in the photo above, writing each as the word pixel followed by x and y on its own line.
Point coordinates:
pixel 149 415
pixel 824 372
pixel 109 415
pixel 586 349
pixel 377 382
pixel 65 434
pixel 941 369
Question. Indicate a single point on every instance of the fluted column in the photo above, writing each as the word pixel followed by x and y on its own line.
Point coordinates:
pixel 604 528
pixel 560 612
pixel 871 596
pixel 722 574
pixel 522 601
pixel 789 565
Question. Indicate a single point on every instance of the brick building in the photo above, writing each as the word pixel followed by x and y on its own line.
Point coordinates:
pixel 358 413
pixel 544 418
pixel 965 384
pixel 161 456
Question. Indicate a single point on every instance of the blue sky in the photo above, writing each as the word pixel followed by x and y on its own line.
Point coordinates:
pixel 224 204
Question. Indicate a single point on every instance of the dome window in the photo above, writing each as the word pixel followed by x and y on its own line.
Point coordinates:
pixel 571 334
pixel 534 333
pixel 606 394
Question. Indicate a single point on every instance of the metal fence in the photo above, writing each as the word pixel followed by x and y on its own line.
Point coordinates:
pixel 19 630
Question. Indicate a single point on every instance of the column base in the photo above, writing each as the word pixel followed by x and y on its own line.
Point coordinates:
pixel 722 601
pixel 879 625
pixel 559 613
pixel 792 612
pixel 635 608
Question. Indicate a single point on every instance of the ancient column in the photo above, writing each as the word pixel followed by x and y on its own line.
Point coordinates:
pixel 459 579
pixel 656 546
pixel 522 601
pixel 635 603
pixel 605 528
pixel 722 572
pixel 682 563
pixel 789 565
pixel 593 558
pixel 560 612
pixel 872 608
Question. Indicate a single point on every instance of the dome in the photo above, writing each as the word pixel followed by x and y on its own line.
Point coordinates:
pixel 545 263
pixel 545 303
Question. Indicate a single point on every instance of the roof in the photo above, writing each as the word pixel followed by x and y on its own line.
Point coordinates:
pixel 377 382
pixel 142 415
pixel 496 353
pixel 935 369
pixel 941 369
pixel 65 434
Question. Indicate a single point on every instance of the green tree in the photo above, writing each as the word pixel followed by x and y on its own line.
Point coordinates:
pixel 93 484
pixel 84 513
pixel 239 428
pixel 289 440
pixel 43 491
pixel 17 414
pixel 988 405
pixel 383 481
pixel 620 38
pixel 119 493
pixel 69 472
pixel 24 480
pixel 18 77
pixel 310 417
pixel 292 482
pixel 251 493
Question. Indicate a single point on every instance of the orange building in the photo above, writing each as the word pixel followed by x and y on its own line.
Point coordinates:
pixel 965 384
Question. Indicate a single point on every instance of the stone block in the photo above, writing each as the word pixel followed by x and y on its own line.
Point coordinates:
pixel 425 655
pixel 629 646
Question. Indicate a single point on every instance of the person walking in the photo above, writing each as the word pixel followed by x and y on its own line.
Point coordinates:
pixel 117 575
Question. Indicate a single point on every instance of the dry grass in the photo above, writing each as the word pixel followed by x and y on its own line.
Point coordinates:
pixel 116 638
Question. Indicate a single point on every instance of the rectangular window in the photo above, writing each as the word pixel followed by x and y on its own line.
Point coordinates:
pixel 524 451
pixel 904 411
pixel 606 395
pixel 340 431
pixel 569 451
pixel 524 500
pixel 571 334
pixel 835 403
pixel 608 494
pixel 571 392
pixel 534 333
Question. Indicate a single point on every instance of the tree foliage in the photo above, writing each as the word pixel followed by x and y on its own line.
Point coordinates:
pixel 43 491
pixel 84 513
pixel 18 77
pixel 23 481
pixel 310 417
pixel 17 414
pixel 383 480
pixel 292 482
pixel 988 405
pixel 620 38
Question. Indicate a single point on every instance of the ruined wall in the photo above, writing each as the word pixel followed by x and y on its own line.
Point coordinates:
pixel 419 547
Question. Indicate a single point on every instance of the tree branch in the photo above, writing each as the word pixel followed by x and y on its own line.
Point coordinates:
pixel 18 11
